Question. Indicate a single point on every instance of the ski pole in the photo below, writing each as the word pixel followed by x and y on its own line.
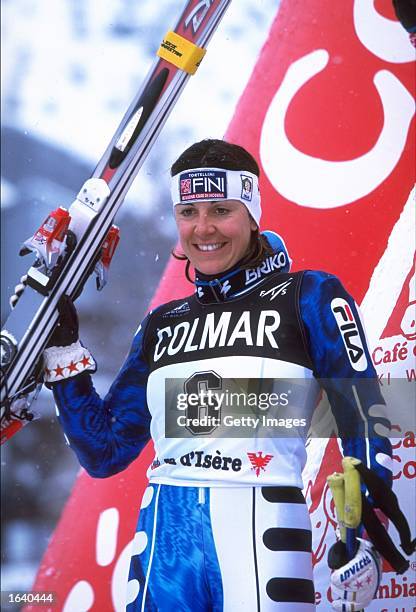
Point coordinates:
pixel 352 503
pixel 346 492
pixel 337 486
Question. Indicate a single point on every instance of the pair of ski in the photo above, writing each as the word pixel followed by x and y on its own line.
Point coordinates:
pixel 70 243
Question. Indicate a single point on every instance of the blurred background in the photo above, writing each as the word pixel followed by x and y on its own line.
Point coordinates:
pixel 69 71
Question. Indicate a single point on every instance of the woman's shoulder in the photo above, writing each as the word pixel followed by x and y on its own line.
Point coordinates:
pixel 319 279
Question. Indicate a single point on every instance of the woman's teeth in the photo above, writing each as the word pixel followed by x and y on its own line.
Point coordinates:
pixel 210 247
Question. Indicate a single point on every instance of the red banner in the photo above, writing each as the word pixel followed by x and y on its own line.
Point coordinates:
pixel 328 111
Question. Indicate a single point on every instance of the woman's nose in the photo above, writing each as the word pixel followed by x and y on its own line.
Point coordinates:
pixel 204 225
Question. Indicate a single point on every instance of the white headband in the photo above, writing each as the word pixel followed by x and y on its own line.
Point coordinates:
pixel 205 184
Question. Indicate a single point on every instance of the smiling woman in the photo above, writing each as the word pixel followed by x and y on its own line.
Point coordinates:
pixel 214 236
pixel 217 205
pixel 250 323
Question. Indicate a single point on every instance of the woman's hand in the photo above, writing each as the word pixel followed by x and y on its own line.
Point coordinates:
pixel 67 328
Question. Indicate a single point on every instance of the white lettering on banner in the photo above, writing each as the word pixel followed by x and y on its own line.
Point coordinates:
pixel 388 279
pixel 83 593
pixel 81 596
pixel 121 597
pixel 408 322
pixel 325 183
pixel 387 39
pixel 180 337
pixel 390 274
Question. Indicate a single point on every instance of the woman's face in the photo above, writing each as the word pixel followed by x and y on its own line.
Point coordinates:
pixel 214 235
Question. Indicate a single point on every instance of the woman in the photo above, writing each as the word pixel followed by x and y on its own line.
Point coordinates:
pixel 223 524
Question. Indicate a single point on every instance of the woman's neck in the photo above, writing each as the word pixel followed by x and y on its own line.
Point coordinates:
pixel 236 281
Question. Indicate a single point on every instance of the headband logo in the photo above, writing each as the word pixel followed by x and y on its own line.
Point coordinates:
pixel 203 185
pixel 246 187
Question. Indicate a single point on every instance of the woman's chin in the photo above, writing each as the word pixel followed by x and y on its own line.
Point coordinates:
pixel 210 268
pixel 210 263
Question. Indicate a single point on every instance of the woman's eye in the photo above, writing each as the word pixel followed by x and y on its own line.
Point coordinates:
pixel 187 212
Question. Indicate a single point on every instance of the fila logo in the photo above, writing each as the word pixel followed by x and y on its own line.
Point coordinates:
pixel 349 331
pixel 277 290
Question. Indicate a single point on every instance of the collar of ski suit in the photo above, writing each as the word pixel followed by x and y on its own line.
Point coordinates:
pixel 236 282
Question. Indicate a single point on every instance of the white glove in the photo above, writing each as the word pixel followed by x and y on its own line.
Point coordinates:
pixel 354 584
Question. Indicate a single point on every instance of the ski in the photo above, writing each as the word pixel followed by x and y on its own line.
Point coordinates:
pixel 70 243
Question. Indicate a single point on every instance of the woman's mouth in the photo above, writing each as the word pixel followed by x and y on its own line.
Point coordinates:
pixel 213 246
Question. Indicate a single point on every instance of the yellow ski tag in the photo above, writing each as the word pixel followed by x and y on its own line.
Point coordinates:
pixel 181 52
